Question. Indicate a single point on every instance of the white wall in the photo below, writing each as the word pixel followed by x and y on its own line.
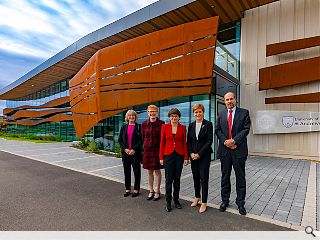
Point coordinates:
pixel 280 21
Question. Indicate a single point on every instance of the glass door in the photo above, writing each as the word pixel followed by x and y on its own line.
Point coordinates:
pixel 220 107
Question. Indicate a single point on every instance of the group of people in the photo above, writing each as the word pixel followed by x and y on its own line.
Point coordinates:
pixel 170 146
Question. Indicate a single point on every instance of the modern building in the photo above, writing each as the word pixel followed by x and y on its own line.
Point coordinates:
pixel 177 53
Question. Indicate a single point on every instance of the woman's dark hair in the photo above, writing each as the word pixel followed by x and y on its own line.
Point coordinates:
pixel 174 111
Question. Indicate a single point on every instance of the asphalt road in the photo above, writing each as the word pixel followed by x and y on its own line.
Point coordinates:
pixel 39 196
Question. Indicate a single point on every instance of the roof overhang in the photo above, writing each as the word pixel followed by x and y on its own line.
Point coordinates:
pixel 157 16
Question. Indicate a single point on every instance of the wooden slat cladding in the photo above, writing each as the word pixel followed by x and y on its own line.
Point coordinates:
pixel 289 74
pixel 173 62
pixel 227 10
pixel 51 104
pixel 302 98
pixel 283 47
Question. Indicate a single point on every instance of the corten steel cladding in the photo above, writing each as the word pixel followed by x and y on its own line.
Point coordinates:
pixel 50 104
pixel 52 115
pixel 283 47
pixel 289 74
pixel 169 63
pixel 37 114
pixel 302 98
pixel 292 73
pixel 56 118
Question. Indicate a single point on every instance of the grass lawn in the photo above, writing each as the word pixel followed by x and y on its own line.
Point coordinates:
pixel 27 140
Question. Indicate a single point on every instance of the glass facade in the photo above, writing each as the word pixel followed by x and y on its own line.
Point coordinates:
pixel 65 130
pixel 228 49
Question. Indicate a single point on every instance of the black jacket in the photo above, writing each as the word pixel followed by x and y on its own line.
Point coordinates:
pixel 203 144
pixel 240 130
pixel 136 141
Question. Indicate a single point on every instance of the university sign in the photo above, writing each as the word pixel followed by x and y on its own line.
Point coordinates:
pixel 269 122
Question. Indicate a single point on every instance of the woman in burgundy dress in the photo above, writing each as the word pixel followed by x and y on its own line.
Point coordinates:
pixel 150 131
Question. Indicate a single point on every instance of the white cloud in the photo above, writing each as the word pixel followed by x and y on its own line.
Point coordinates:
pixel 13 46
pixel 45 27
pixel 24 17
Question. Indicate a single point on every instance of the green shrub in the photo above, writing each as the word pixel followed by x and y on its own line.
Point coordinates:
pixel 100 145
pixel 117 150
pixel 84 143
pixel 32 137
pixel 93 146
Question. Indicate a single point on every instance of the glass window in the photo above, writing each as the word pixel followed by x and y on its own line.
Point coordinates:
pixel 203 99
pixel 229 36
pixel 63 85
pixel 223 86
pixel 183 104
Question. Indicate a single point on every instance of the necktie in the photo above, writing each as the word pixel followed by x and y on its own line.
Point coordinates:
pixel 230 124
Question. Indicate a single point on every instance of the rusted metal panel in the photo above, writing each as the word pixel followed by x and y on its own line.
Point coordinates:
pixel 302 98
pixel 37 114
pixel 56 118
pixel 170 63
pixel 282 47
pixel 289 74
pixel 50 104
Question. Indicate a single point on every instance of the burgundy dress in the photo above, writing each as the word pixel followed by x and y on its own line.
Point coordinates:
pixel 151 132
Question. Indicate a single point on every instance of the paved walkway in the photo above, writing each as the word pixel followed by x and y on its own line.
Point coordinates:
pixel 43 197
pixel 281 191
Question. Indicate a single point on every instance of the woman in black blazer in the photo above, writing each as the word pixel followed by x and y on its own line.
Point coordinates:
pixel 131 143
pixel 199 140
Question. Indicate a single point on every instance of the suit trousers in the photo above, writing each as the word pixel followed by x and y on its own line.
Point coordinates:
pixel 238 164
pixel 127 162
pixel 200 172
pixel 173 167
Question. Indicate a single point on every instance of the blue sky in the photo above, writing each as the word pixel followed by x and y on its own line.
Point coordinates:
pixel 31 31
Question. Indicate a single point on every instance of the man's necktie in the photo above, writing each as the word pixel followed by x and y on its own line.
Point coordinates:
pixel 230 124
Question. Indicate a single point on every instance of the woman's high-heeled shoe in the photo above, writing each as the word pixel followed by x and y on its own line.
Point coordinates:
pixel 150 196
pixel 203 208
pixel 195 202
pixel 156 196
pixel 127 193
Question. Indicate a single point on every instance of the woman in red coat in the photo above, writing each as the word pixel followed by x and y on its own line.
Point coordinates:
pixel 173 153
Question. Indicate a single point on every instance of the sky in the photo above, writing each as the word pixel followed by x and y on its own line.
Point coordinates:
pixel 32 31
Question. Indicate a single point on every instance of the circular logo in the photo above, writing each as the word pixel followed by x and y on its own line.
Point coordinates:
pixel 265 122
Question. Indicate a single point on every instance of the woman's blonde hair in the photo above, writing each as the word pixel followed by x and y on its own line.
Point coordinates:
pixel 198 106
pixel 152 107
pixel 129 112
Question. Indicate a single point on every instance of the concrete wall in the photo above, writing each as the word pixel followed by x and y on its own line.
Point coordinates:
pixel 280 21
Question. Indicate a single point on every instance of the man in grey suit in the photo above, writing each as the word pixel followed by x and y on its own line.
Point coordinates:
pixel 233 126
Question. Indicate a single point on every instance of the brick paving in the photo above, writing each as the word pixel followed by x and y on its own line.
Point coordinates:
pixel 276 187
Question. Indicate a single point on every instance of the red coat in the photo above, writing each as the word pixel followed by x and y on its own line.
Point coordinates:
pixel 168 143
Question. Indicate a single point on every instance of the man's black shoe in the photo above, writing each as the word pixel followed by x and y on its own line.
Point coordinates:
pixel 242 210
pixel 177 204
pixel 168 207
pixel 223 207
pixel 135 194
